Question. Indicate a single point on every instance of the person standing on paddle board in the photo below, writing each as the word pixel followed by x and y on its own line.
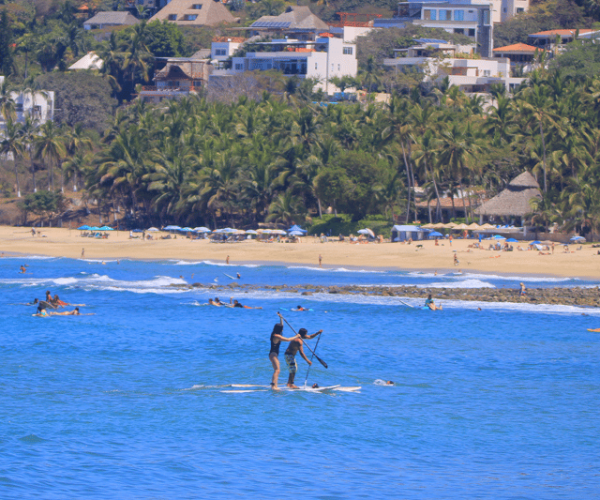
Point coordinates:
pixel 290 354
pixel 276 339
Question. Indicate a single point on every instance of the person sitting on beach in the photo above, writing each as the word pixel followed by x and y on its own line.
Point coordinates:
pixel 290 354
pixel 456 262
pixel 431 304
pixel 74 312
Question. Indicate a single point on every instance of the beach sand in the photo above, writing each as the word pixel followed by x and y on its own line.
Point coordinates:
pixel 56 242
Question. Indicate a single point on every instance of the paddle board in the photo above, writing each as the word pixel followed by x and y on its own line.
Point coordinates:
pixel 295 310
pixel 241 391
pixel 595 330
pixel 231 277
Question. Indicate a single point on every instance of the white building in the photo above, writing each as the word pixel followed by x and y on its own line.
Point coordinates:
pixel 503 10
pixel 438 60
pixel 38 105
pixel 325 58
pixel 223 47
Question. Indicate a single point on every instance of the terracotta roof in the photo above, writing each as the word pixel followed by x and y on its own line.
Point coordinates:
pixel 562 32
pixel 514 200
pixel 517 47
pixel 195 13
pixel 233 39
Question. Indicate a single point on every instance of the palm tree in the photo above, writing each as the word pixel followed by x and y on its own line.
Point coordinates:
pixel 286 208
pixel 12 146
pixel 29 132
pixel 50 147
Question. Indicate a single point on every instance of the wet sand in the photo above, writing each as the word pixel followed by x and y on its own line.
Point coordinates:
pixel 584 263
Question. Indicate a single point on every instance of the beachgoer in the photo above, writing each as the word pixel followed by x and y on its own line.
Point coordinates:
pixel 41 312
pixel 290 354
pixel 74 312
pixel 22 270
pixel 552 248
pixel 276 339
pixel 238 275
pixel 522 291
pixel 389 382
pixel 431 304
pixel 82 253
pixel 300 308
pixel 59 303
pixel 436 242
pixel 320 260
pixel 227 260
pixel 48 297
pixel 450 240
pixel 315 386
pixel 35 302
pixel 238 304
pixel 456 260
pixel 32 231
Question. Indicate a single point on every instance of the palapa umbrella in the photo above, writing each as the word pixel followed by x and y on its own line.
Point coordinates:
pixel 462 226
pixel 487 226
pixel 450 225
pixel 428 226
pixel 473 226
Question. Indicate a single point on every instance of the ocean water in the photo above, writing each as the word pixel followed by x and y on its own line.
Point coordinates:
pixel 128 402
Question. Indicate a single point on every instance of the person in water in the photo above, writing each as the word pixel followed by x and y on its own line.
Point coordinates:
pixel 276 339
pixel 35 302
pixel 212 302
pixel 59 303
pixel 48 297
pixel 41 312
pixel 22 270
pixel 238 275
pixel 74 312
pixel 235 303
pixel 295 347
pixel 300 308
pixel 431 304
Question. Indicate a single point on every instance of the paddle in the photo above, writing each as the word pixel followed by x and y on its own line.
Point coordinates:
pixel 313 352
pixel 311 358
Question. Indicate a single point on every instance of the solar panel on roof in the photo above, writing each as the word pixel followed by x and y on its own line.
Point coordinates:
pixel 430 40
pixel 270 24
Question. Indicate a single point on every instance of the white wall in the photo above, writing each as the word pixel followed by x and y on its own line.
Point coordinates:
pixel 228 47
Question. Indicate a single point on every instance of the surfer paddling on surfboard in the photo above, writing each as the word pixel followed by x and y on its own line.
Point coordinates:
pixel 290 354
pixel 276 339
pixel 431 304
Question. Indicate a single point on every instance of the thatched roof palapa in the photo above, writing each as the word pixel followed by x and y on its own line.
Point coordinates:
pixel 514 200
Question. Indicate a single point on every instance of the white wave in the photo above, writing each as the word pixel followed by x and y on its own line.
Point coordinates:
pixel 381 382
pixel 468 283
pixel 99 261
pixel 30 257
pixel 209 263
pixel 160 291
pixel 65 281
pixel 337 269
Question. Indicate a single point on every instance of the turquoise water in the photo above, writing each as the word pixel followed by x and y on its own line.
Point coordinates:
pixel 128 402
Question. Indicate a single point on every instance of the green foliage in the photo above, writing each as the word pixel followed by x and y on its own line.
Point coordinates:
pixel 343 224
pixel 580 58
pixel 45 203
pixel 6 40
pixel 165 39
pixel 81 97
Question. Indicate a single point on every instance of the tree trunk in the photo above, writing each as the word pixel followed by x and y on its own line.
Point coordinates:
pixel 33 175
pixel 544 155
pixel 408 180
pixel 319 205
pixel 17 178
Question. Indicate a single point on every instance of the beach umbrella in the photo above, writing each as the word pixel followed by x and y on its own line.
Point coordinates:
pixel 450 225
pixel 84 228
pixel 137 231
pixel 488 226
pixel 473 226
pixel 105 228
pixel 202 229
pixel 171 228
pixel 278 231
pixel 94 228
pixel 577 238
pixel 428 226
pixel 152 230
pixel 296 233
pixel 251 231
pixel 460 227
pixel 536 242
pixel 367 231
pixel 511 240
pixel 498 237
pixel 295 227
pixel 435 234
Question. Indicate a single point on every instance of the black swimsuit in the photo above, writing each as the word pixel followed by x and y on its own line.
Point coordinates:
pixel 275 343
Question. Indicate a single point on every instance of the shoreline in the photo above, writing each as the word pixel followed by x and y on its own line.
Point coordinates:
pixel 420 256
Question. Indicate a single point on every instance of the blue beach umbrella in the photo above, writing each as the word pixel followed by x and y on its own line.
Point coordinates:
pixel 296 233
pixel 511 240
pixel 577 238
pixel 172 228
pixel 536 242
pixel 202 229
pixel 105 228
pixel 435 234
pixel 137 231
pixel 84 228
pixel 498 237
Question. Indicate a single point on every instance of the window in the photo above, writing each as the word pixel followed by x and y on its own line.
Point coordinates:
pixel 239 67
pixel 172 17
pixel 430 14
pixel 197 6
pixel 348 51
pixel 520 9
pixel 471 32
pixel 486 17
pixel 190 17
pixel 504 9
pixel 459 15
pixel 445 15
pixel 315 65
pixel 459 31
pixel 487 72
pixel 220 52
pixel 339 67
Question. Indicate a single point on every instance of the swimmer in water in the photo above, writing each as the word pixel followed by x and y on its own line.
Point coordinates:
pixel 74 312
pixel 315 386
pixel 238 275
pixel 22 270
pixel 389 382
pixel 41 312
pixel 299 308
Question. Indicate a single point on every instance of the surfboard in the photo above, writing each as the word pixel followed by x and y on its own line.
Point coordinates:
pixel 242 391
pixel 47 305
pixel 295 310
pixel 349 389
pixel 249 385
pixel 231 277
pixel 595 330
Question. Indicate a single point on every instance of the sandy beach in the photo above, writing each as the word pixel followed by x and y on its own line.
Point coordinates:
pixel 55 242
